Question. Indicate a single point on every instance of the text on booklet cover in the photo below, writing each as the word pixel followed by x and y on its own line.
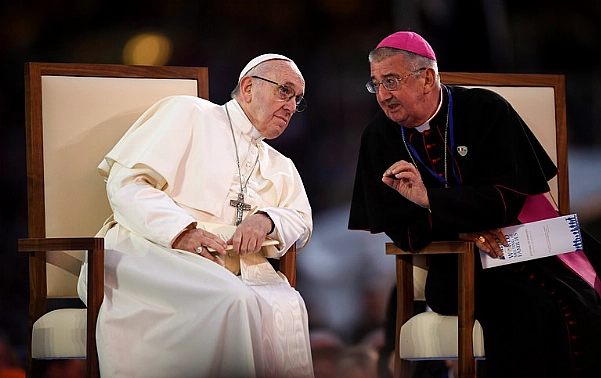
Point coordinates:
pixel 534 240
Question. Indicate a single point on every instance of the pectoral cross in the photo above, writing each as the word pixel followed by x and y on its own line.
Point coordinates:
pixel 240 206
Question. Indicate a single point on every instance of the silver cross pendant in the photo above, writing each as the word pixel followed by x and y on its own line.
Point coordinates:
pixel 240 206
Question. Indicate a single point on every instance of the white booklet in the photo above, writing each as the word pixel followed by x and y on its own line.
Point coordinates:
pixel 534 240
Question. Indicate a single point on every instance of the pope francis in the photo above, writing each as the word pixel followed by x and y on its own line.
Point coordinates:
pixel 199 200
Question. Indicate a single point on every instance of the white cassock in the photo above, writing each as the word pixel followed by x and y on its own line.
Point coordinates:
pixel 170 313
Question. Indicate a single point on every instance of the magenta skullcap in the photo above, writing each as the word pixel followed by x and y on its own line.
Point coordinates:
pixel 408 41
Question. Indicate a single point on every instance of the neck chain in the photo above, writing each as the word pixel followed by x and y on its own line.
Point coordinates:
pixel 446 134
pixel 411 151
pixel 238 203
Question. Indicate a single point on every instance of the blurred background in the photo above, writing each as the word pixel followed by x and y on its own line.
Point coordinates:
pixel 344 276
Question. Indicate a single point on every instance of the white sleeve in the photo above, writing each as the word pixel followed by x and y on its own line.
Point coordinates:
pixel 290 227
pixel 292 216
pixel 139 202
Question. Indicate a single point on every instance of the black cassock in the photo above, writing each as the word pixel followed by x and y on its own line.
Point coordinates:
pixel 539 318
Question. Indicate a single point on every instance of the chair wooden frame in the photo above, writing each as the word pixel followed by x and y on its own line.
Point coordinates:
pixel 466 250
pixel 37 243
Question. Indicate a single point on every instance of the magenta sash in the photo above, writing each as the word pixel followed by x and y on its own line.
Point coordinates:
pixel 537 208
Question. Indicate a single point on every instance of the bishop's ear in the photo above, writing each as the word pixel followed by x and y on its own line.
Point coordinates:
pixel 429 79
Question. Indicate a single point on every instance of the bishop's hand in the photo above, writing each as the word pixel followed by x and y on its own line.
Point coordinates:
pixel 489 242
pixel 403 177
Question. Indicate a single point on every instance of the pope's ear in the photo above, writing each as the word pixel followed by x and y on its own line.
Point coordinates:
pixel 246 87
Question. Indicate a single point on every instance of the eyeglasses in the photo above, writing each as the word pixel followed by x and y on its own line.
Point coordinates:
pixel 390 84
pixel 286 94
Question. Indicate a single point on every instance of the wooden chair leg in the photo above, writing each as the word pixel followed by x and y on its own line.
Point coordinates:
pixel 404 369
pixel 92 367
pixel 404 273
pixel 467 363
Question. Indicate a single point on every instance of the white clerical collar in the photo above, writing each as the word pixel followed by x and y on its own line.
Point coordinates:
pixel 242 122
pixel 426 125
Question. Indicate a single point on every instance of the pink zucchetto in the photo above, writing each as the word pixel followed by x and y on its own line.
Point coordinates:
pixel 409 41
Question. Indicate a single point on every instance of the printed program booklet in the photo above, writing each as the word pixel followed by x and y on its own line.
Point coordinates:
pixel 534 240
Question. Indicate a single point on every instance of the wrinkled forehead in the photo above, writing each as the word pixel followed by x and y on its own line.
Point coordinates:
pixel 388 66
pixel 288 73
pixel 283 72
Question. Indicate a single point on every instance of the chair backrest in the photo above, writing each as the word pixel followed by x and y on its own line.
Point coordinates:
pixel 75 113
pixel 540 101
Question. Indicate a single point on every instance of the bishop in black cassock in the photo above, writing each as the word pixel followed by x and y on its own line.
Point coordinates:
pixel 540 319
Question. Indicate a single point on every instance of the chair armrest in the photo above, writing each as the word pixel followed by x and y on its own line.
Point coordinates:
pixel 95 247
pixel 434 248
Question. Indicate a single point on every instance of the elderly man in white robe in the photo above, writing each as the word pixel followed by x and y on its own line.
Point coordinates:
pixel 197 195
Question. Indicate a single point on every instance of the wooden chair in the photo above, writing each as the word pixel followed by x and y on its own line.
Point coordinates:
pixel 540 101
pixel 75 113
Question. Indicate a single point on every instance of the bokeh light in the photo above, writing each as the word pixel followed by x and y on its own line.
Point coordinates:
pixel 152 49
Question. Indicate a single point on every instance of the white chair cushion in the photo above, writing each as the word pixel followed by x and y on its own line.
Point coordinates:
pixel 429 335
pixel 60 334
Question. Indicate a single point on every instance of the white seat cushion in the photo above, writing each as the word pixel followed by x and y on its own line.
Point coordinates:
pixel 429 335
pixel 60 334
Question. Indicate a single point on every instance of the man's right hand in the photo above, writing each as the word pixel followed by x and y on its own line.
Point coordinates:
pixel 197 241
pixel 403 177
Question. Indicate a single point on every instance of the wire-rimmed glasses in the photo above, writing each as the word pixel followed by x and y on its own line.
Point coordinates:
pixel 390 84
pixel 286 93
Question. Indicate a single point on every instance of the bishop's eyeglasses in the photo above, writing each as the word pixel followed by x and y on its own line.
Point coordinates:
pixel 286 93
pixel 390 84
